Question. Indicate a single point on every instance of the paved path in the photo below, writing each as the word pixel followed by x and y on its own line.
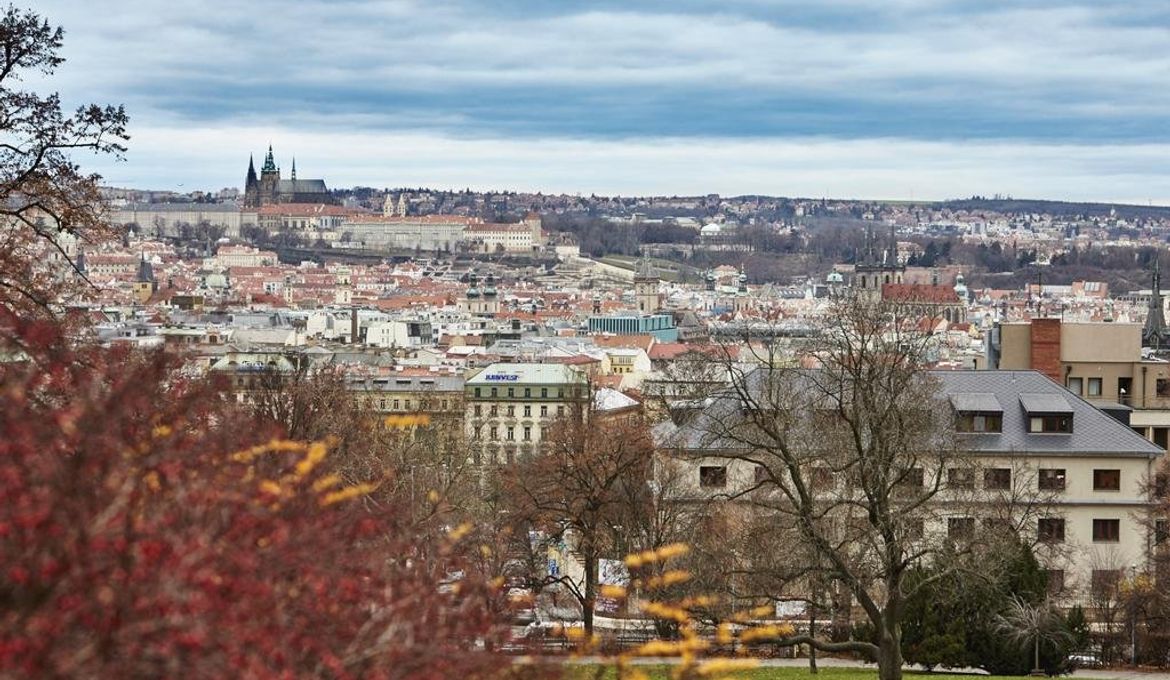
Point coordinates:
pixel 1086 673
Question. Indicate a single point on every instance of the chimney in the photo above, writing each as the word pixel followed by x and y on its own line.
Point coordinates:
pixel 353 326
pixel 1046 348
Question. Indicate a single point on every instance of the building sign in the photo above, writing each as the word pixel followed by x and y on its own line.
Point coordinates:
pixel 503 377
pixel 611 573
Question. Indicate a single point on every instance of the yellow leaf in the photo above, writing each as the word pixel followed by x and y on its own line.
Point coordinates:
pixel 347 493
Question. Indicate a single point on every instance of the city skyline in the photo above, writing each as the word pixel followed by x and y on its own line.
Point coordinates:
pixel 909 100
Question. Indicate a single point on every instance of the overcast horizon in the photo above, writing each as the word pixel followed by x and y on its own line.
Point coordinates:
pixel 899 100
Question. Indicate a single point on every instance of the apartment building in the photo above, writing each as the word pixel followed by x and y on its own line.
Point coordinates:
pixel 509 407
pixel 1023 440
pixel 436 395
pixel 1102 362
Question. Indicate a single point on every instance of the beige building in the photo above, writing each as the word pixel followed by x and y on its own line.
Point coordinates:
pixel 510 406
pixel 426 232
pixel 1099 361
pixel 507 238
pixel 167 219
pixel 1072 476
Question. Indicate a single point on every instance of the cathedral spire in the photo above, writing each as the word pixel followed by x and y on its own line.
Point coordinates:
pixel 269 161
pixel 1155 334
pixel 251 179
pixel 294 167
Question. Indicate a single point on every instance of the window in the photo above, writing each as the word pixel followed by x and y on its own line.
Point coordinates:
pixel 407 404
pixel 527 391
pixel 1106 530
pixel 1161 531
pixel 997 479
pixel 912 479
pixel 960 528
pixel 1104 582
pixel 1055 578
pixel 1051 479
pixel 477 391
pixel 511 410
pixel 1106 480
pixel 979 422
pixel 382 404
pixel 1050 530
pixel 712 477
pixel 1076 386
pixel 1162 387
pixel 961 478
pixel 998 525
pixel 543 411
pixel 511 392
pixel 560 411
pixel 527 411
pixel 493 434
pixel 1161 436
pixel 1052 423
pixel 396 408
pixel 493 411
pixel 511 433
pixel 1094 387
pixel 560 393
pixel 527 433
pixel 494 392
pixel 544 393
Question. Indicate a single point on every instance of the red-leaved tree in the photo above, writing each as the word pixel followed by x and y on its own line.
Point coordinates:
pixel 147 529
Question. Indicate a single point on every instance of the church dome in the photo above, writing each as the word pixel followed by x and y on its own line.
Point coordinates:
pixel 473 292
pixel 961 287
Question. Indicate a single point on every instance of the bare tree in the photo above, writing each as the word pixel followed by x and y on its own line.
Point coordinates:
pixel 847 450
pixel 579 488
pixel 46 201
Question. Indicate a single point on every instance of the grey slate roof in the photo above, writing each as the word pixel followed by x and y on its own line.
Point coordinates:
pixel 1093 431
pixel 301 186
pixel 1044 402
pixel 975 402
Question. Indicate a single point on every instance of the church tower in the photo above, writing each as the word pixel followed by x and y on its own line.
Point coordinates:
pixel 1155 334
pixel 251 186
pixel 269 178
pixel 742 301
pixel 646 288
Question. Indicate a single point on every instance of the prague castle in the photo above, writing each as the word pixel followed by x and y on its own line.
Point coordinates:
pixel 270 189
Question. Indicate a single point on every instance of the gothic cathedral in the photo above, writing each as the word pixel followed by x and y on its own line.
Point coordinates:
pixel 270 189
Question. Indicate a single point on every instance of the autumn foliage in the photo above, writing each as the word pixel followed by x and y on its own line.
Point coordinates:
pixel 149 529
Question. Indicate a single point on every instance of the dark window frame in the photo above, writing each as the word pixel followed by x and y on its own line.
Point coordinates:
pixel 1107 479
pixel 1050 529
pixel 997 479
pixel 713 476
pixel 1052 479
pixel 1106 530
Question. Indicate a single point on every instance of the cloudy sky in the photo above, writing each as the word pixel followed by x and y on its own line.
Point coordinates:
pixel 894 99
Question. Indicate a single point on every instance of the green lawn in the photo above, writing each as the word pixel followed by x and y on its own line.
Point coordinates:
pixel 589 672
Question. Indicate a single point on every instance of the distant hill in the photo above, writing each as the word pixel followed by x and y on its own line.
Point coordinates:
pixel 1061 208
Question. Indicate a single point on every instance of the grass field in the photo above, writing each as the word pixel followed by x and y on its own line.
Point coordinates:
pixel 589 672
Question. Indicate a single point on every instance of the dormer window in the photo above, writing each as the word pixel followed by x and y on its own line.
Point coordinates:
pixel 977 412
pixel 1047 413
